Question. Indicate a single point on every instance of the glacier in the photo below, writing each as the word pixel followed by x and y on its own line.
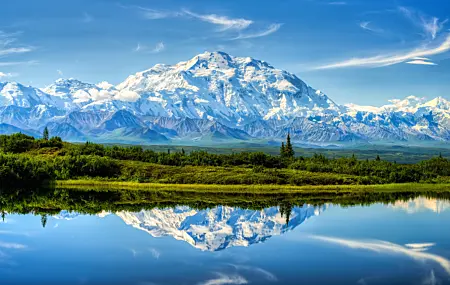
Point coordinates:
pixel 213 96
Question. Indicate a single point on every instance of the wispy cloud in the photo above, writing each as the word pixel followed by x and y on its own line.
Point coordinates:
pixel 367 26
pixel 222 279
pixel 420 62
pixel 338 3
pixel 264 273
pixel 390 59
pixel 153 14
pixel 155 253
pixel 159 47
pixel 431 26
pixel 13 63
pixel 13 50
pixel 431 280
pixel 390 248
pixel 87 18
pixel 5 75
pixel 12 245
pixel 270 30
pixel 60 73
pixel 224 22
pixel 6 44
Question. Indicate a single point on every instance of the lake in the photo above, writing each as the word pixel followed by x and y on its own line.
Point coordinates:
pixel 398 242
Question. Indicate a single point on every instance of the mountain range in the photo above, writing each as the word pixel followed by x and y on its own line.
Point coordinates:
pixel 213 97
pixel 213 229
pixel 220 227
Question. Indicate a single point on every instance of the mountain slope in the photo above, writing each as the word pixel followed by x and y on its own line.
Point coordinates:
pixel 215 96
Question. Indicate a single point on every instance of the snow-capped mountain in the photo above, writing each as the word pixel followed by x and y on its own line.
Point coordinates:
pixel 218 228
pixel 214 96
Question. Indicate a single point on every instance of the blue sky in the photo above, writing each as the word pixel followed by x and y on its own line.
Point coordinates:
pixel 360 51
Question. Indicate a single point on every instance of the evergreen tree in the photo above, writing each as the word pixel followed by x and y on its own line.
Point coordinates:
pixel 282 150
pixel 45 134
pixel 44 220
pixel 182 151
pixel 378 158
pixel 289 150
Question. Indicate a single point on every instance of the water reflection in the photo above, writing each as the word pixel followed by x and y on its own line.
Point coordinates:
pixel 149 239
pixel 220 227
pixel 420 204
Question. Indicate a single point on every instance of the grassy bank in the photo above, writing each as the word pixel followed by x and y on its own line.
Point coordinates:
pixel 25 161
pixel 256 189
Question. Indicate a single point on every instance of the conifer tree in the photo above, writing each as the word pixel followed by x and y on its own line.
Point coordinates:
pixel 45 134
pixel 282 150
pixel 289 150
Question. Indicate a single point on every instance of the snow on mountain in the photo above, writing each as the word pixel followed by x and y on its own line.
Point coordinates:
pixel 218 228
pixel 229 89
pixel 215 96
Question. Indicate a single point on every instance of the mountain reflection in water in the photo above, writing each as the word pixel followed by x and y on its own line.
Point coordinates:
pixel 120 237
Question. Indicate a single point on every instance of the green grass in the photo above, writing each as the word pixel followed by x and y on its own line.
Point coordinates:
pixel 135 171
pixel 256 189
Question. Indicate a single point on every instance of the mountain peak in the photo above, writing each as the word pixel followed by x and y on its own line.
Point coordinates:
pixel 225 96
pixel 438 102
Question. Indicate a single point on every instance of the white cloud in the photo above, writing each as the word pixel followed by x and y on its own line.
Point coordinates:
pixel 155 253
pixel 430 25
pixel 97 95
pixel 105 85
pixel 2 75
pixel 126 95
pixel 431 280
pixel 159 47
pixel 223 279
pixel 8 46
pixel 368 27
pixel 390 59
pixel 12 245
pixel 223 21
pixel 433 26
pixel 389 248
pixel 152 14
pixel 420 245
pixel 12 63
pixel 421 58
pixel 13 50
pixel 60 73
pixel 421 62
pixel 138 48
pixel 270 30
pixel 264 273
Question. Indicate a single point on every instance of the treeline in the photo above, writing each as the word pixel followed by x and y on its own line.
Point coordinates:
pixel 50 201
pixel 24 158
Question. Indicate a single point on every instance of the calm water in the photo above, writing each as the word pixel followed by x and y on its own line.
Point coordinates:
pixel 399 243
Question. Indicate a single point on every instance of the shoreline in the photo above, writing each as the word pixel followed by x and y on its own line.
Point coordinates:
pixel 251 189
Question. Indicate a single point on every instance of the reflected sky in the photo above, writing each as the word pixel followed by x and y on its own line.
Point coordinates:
pixel 400 243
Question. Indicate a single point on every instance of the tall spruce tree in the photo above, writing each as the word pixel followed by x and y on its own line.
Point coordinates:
pixel 282 150
pixel 289 150
pixel 45 134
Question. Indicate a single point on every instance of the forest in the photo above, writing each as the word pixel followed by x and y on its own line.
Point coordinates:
pixel 27 160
